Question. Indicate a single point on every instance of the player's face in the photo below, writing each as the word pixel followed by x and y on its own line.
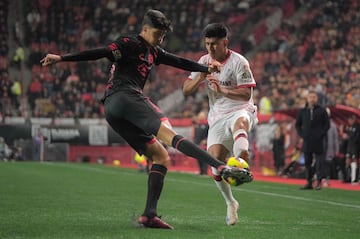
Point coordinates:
pixel 312 99
pixel 216 47
pixel 154 36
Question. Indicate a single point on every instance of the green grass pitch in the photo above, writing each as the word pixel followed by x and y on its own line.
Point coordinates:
pixel 69 200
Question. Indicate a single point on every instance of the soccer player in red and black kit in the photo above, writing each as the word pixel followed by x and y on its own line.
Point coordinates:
pixel 133 116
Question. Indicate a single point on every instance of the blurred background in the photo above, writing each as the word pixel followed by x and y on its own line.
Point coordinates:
pixel 293 46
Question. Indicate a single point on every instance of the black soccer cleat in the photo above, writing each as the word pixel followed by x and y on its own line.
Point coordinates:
pixel 231 174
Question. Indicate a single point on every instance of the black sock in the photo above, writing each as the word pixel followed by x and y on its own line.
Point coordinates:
pixel 192 150
pixel 155 185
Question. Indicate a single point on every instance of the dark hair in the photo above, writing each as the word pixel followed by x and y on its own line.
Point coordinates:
pixel 217 30
pixel 157 20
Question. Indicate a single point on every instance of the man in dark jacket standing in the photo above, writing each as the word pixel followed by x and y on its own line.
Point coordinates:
pixel 312 124
pixel 352 136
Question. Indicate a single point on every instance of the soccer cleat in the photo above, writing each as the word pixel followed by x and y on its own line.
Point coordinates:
pixel 232 213
pixel 231 174
pixel 307 187
pixel 154 222
pixel 318 186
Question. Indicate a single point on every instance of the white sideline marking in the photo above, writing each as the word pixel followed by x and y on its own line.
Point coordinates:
pixel 103 170
pixel 303 198
pixel 277 195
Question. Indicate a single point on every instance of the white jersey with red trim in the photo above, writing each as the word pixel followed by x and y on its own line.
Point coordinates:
pixel 235 73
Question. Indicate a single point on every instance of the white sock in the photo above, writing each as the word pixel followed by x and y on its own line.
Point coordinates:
pixel 353 166
pixel 224 188
pixel 241 142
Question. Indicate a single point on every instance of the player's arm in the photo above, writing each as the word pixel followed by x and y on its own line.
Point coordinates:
pixel 192 84
pixel 87 55
pixel 242 93
pixel 169 59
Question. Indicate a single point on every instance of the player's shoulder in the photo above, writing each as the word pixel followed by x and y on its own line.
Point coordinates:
pixel 128 40
pixel 235 56
pixel 205 59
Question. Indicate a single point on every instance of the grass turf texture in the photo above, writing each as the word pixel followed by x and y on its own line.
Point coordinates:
pixel 68 200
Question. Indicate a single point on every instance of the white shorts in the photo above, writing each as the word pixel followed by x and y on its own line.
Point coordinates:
pixel 220 132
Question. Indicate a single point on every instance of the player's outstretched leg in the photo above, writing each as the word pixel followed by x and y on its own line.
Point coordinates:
pixel 190 149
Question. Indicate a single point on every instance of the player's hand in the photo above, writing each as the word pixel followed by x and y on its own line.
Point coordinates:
pixel 50 59
pixel 214 83
pixel 214 66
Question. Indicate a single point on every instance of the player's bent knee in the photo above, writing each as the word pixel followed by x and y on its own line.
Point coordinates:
pixel 163 160
pixel 158 154
pixel 161 156
pixel 242 123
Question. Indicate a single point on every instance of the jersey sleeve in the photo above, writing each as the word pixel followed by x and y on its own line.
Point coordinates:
pixel 120 48
pixel 244 75
pixel 194 74
pixel 87 55
pixel 169 59
pixel 114 52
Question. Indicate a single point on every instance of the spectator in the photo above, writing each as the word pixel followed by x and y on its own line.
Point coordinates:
pixel 16 93
pixel 265 106
pixel 35 91
pixel 5 104
pixel 332 149
pixel 4 150
pixel 296 168
pixel 312 124
pixel 38 146
pixel 201 128
pixel 352 135
pixel 19 56
pixel 278 149
pixel 18 154
pixel 327 37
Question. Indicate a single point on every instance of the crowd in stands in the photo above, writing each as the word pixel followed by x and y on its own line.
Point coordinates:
pixel 4 62
pixel 319 50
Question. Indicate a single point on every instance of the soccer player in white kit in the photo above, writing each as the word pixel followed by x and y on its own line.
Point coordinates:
pixel 232 112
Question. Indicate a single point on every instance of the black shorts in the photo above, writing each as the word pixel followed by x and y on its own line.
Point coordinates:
pixel 134 117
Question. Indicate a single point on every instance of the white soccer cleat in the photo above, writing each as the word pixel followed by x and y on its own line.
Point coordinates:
pixel 232 213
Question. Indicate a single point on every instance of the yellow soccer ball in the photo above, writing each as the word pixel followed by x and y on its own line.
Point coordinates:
pixel 239 163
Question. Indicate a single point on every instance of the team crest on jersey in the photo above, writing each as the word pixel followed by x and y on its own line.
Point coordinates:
pixel 246 75
pixel 117 54
pixel 112 46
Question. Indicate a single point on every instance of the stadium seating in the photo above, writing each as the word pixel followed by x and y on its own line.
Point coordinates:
pixel 316 50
